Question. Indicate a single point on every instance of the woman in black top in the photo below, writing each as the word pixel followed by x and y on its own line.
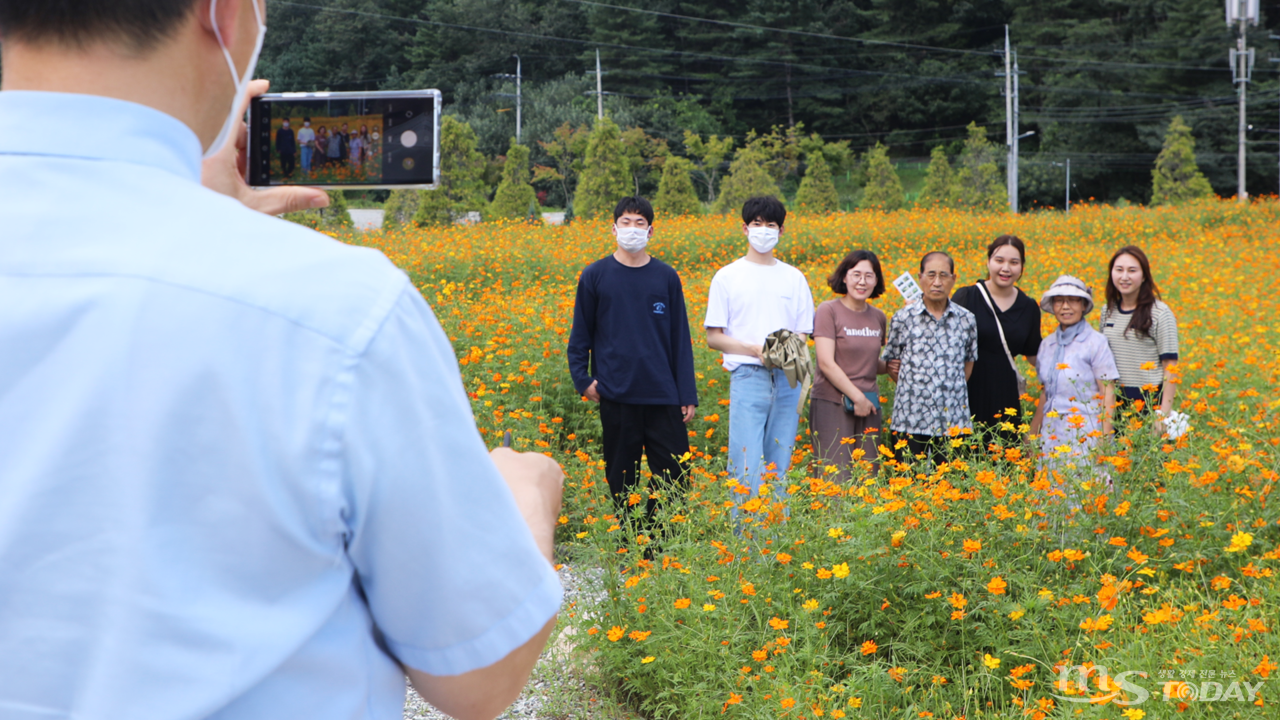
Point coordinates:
pixel 993 386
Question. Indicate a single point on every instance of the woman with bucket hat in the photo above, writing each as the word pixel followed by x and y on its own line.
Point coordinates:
pixel 1078 372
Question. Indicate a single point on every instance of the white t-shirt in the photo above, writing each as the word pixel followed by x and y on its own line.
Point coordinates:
pixel 749 301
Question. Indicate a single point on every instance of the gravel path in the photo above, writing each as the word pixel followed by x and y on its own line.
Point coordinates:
pixel 548 683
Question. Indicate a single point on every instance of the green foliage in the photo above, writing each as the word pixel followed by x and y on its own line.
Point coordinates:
pixel 514 191
pixel 606 175
pixel 400 208
pixel 332 218
pixel 565 151
pixel 676 195
pixel 817 190
pixel 977 183
pixel 1176 178
pixel 937 190
pixel 883 190
pixel 747 177
pixel 707 156
pixel 462 188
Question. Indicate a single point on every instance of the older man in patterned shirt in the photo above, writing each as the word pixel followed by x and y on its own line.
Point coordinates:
pixel 932 346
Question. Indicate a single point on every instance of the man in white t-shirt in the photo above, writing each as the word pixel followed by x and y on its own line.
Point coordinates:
pixel 750 298
pixel 307 144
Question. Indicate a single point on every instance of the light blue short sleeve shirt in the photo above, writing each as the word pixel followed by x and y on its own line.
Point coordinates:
pixel 239 475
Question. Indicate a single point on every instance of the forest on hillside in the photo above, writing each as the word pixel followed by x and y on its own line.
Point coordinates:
pixel 1099 82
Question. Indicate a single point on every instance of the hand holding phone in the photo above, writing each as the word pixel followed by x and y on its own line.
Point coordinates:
pixel 345 140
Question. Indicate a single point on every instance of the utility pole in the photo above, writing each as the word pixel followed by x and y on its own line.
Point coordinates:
pixel 1067 165
pixel 1010 127
pixel 1011 135
pixel 1241 13
pixel 517 78
pixel 1068 184
pixel 599 90
pixel 1276 60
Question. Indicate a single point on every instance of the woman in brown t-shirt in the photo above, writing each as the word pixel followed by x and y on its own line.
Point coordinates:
pixel 848 334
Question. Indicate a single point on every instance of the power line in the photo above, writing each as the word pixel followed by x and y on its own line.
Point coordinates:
pixel 781 31
pixel 590 43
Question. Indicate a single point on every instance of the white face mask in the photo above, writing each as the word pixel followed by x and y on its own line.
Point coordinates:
pixel 632 239
pixel 762 239
pixel 240 81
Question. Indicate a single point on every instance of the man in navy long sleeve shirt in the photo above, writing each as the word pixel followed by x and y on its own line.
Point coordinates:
pixel 630 351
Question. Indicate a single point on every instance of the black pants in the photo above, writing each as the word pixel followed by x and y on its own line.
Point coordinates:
pixel 286 163
pixel 933 447
pixel 658 432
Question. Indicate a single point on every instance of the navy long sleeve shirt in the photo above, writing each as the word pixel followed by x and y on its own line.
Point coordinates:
pixel 631 334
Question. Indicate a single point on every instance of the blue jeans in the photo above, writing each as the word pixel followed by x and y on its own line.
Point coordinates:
pixel 762 425
pixel 306 159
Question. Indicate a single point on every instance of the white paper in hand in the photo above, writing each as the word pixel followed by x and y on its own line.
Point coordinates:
pixel 908 287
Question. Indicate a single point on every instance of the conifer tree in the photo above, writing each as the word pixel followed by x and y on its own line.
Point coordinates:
pixel 977 183
pixel 937 181
pixel 606 174
pixel 462 187
pixel 514 191
pixel 817 191
pixel 1176 178
pixel 400 207
pixel 334 217
pixel 883 190
pixel 747 177
pixel 676 195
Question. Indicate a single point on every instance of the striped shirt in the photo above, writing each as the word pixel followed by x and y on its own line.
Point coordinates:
pixel 1134 350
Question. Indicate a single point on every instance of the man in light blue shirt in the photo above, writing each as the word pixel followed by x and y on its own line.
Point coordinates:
pixel 239 477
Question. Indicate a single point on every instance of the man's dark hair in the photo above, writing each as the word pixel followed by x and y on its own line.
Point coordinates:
pixel 929 255
pixel 836 281
pixel 633 204
pixel 306 119
pixel 764 207
pixel 140 25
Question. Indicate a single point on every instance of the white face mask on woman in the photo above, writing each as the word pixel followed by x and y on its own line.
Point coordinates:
pixel 632 239
pixel 762 239
pixel 242 81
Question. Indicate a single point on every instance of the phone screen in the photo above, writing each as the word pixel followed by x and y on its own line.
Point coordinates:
pixel 358 140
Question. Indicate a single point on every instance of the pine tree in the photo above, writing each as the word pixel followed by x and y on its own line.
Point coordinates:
pixel 606 175
pixel 883 190
pixel 747 178
pixel 937 181
pixel 332 218
pixel 514 191
pixel 1176 178
pixel 977 183
pixel 676 195
pixel 817 191
pixel 462 187
pixel 400 208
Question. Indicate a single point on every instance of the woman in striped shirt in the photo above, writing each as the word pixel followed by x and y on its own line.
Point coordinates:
pixel 1142 332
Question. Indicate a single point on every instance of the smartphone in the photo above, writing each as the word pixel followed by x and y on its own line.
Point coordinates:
pixel 350 140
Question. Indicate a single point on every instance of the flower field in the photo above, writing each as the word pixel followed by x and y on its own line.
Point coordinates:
pixel 981 589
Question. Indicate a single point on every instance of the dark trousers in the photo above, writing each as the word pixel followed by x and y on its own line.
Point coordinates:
pixel 287 161
pixel 933 447
pixel 658 432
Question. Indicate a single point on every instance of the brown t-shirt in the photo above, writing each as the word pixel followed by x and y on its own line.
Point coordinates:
pixel 858 336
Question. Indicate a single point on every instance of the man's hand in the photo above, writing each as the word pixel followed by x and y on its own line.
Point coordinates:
pixel 687 411
pixel 224 173
pixel 537 483
pixel 893 366
pixel 592 393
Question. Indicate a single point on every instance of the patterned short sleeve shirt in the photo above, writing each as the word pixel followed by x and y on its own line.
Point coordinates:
pixel 932 395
